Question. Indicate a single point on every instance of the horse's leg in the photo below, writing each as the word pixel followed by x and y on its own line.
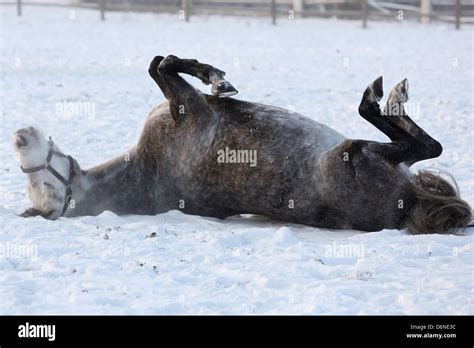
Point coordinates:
pixel 184 99
pixel 396 115
pixel 205 72
pixel 397 97
pixel 369 109
pixel 410 143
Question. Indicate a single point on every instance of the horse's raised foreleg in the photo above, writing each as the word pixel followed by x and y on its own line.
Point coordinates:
pixel 410 143
pixel 185 101
pixel 205 72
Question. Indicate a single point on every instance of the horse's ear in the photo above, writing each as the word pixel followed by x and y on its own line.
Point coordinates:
pixel 32 212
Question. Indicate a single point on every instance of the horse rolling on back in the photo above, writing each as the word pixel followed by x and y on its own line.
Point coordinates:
pixel 216 156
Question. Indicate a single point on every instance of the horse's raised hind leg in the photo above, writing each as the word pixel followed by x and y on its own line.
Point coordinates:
pixel 410 143
pixel 396 115
pixel 370 110
pixel 397 97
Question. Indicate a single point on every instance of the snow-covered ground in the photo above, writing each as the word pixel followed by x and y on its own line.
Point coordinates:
pixel 175 263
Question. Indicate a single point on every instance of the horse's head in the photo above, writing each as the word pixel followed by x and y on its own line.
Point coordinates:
pixel 31 146
pixel 50 172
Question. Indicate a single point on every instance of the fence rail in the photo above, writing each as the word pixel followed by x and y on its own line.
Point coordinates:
pixel 454 11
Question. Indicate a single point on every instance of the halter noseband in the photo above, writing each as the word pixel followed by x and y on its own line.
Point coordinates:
pixel 47 165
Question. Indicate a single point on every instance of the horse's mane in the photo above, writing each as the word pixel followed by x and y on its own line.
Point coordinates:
pixel 438 207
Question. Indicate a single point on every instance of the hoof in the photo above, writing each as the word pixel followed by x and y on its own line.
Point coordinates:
pixel 377 86
pixel 376 89
pixel 400 94
pixel 154 64
pixel 373 93
pixel 223 88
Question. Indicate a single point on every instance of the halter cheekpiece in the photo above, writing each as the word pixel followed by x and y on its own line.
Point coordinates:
pixel 47 165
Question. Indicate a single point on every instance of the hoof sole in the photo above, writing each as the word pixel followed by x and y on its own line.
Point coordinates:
pixel 223 88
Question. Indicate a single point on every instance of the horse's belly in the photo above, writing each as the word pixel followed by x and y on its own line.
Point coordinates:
pixel 260 160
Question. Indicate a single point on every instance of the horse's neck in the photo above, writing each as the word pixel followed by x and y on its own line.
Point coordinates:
pixel 119 185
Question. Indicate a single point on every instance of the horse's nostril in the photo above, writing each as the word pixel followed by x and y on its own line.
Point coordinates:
pixel 26 132
pixel 23 136
pixel 20 139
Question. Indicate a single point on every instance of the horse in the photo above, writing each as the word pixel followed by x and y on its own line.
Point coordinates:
pixel 217 156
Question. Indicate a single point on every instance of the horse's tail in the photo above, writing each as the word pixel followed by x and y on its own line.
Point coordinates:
pixel 438 207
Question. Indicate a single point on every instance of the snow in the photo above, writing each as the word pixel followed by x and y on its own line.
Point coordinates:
pixel 180 264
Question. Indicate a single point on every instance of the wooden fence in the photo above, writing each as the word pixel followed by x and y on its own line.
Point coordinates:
pixel 455 11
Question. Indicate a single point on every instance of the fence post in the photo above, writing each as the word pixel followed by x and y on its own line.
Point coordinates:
pixel 102 9
pixel 186 5
pixel 457 13
pixel 425 11
pixel 298 6
pixel 18 7
pixel 365 13
pixel 273 10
